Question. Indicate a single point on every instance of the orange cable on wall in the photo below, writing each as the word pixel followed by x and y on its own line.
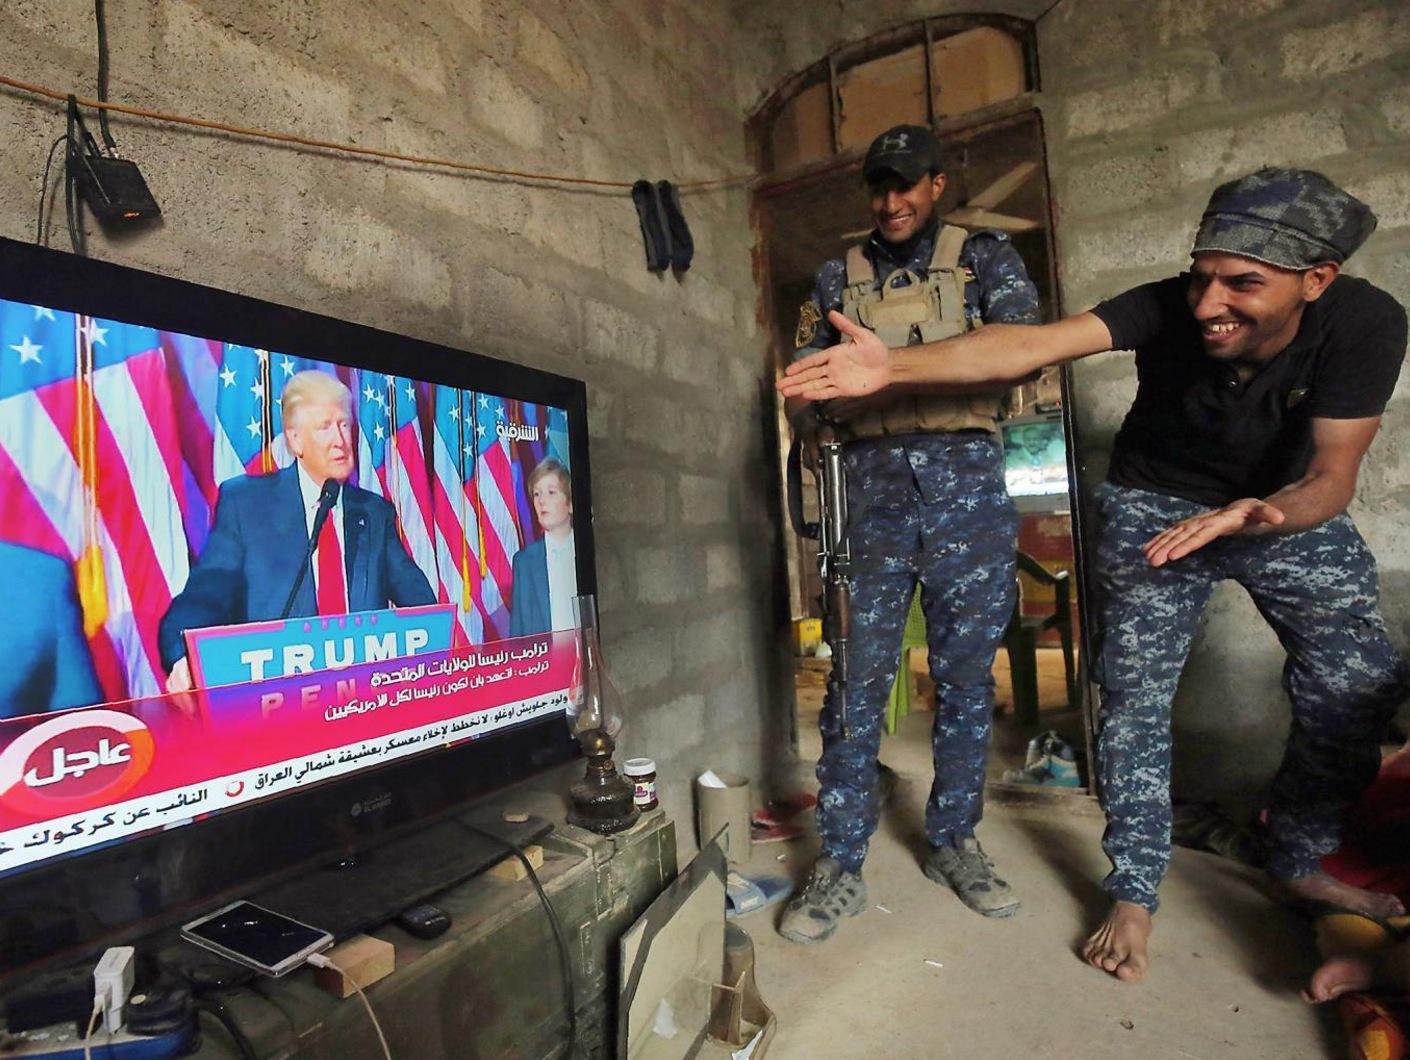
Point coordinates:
pixel 352 149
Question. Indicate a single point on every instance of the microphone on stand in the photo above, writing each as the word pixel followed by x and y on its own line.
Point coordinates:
pixel 326 499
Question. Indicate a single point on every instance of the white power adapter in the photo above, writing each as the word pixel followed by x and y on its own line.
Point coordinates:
pixel 112 984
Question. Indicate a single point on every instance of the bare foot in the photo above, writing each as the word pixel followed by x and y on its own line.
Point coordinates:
pixel 1337 976
pixel 1319 887
pixel 1119 945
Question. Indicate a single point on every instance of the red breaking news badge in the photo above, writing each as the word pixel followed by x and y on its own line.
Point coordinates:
pixel 73 761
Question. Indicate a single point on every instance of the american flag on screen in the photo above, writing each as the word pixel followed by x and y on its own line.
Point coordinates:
pixel 92 470
pixel 114 440
pixel 392 451
pixel 453 507
pixel 496 496
pixel 249 434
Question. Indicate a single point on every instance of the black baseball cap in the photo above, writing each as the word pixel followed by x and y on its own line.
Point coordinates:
pixel 909 151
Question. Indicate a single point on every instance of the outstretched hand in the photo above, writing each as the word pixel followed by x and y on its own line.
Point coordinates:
pixel 1199 530
pixel 859 365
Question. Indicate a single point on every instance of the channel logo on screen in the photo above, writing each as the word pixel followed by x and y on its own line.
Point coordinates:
pixel 73 761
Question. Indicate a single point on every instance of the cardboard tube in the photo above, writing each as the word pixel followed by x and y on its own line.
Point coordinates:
pixel 727 807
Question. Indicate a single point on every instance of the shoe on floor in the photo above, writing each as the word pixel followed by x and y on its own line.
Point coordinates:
pixel 967 870
pixel 828 896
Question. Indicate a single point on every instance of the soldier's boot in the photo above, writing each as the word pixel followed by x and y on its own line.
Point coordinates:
pixel 967 870
pixel 828 896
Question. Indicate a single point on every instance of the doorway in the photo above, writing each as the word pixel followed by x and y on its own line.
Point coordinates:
pixel 974 81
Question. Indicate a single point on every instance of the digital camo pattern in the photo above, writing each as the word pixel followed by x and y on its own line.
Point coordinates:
pixel 1317 589
pixel 999 293
pixel 1292 218
pixel 933 508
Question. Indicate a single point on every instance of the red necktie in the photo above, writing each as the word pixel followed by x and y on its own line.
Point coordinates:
pixel 332 587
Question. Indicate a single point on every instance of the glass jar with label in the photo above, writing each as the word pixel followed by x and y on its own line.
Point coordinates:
pixel 641 773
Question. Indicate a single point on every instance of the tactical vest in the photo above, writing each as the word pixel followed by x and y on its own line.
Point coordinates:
pixel 906 310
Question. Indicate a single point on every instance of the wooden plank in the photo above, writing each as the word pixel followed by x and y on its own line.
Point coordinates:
pixel 875 95
pixel 975 69
pixel 511 869
pixel 1001 189
pixel 802 131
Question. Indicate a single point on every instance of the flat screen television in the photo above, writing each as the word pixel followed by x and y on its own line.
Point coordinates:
pixel 197 695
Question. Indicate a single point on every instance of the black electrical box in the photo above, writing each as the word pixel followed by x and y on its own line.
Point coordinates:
pixel 113 188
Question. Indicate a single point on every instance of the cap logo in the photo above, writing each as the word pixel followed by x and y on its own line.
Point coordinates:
pixel 896 142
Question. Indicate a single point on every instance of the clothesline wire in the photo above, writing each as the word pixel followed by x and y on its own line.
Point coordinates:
pixel 354 149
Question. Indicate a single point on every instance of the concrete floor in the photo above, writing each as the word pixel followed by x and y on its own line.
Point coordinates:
pixel 1227 961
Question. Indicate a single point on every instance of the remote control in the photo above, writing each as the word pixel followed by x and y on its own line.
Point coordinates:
pixel 424 921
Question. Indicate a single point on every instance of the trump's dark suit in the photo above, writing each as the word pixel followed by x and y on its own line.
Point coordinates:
pixel 47 662
pixel 256 544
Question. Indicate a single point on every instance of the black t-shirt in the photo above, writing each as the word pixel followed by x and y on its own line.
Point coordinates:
pixel 1196 431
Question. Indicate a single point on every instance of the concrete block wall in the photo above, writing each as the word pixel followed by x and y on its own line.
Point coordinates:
pixel 548 276
pixel 1147 107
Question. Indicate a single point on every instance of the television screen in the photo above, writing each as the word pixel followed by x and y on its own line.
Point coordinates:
pixel 247 551
pixel 1035 458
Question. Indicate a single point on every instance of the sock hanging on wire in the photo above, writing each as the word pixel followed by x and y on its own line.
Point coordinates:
pixel 682 245
pixel 655 230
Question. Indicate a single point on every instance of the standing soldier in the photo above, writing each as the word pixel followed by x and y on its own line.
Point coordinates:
pixel 926 489
pixel 1262 375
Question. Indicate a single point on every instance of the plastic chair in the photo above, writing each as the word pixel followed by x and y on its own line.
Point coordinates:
pixel 898 704
pixel 1020 641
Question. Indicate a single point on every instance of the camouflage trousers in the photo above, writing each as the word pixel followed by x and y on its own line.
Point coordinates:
pixel 1317 589
pixel 930 509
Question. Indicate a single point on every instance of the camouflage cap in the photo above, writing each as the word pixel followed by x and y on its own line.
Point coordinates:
pixel 1291 218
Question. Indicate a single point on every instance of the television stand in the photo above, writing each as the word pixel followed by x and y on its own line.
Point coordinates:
pixel 350 897
pixel 488 987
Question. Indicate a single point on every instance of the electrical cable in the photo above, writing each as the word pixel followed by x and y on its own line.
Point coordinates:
pixel 320 960
pixel 104 106
pixel 71 203
pixel 102 21
pixel 565 962
pixel 215 1009
pixel 92 1025
pixel 39 237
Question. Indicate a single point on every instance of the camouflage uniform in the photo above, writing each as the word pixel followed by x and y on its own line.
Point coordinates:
pixel 930 508
pixel 1317 589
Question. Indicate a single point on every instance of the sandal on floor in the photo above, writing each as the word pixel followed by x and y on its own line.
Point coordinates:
pixel 1371 1031
pixel 745 895
pixel 780 810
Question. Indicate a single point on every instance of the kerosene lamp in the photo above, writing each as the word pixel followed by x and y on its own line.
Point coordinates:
pixel 602 801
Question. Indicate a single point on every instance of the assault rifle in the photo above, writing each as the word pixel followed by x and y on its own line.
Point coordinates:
pixel 834 551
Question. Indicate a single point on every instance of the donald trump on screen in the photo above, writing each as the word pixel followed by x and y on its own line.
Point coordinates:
pixel 262 532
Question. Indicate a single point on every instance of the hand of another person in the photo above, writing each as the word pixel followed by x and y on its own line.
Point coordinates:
pixel 1199 530
pixel 858 366
pixel 179 680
